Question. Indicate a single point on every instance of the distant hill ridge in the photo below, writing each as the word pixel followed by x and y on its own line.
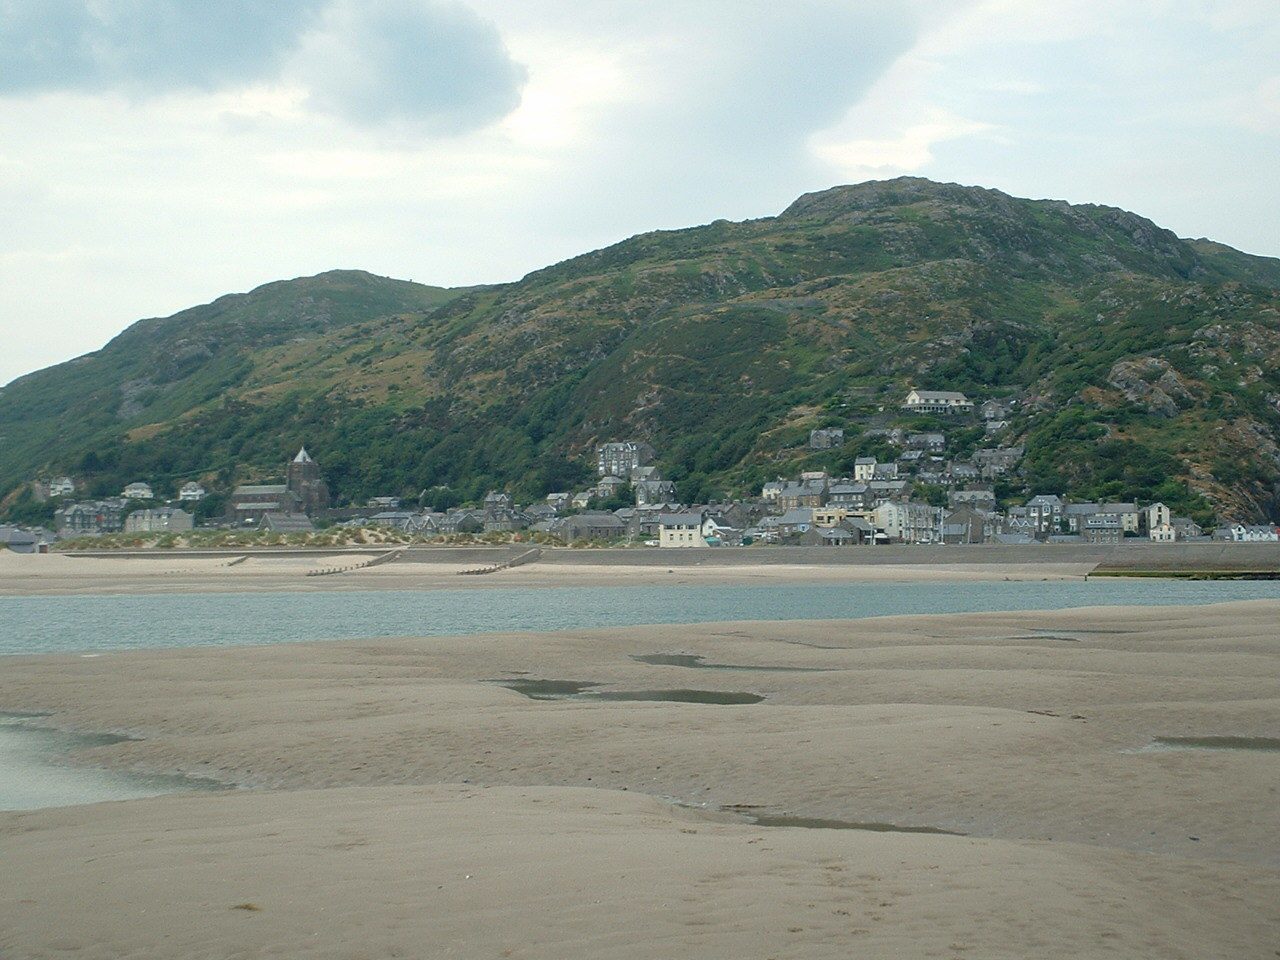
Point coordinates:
pixel 1147 363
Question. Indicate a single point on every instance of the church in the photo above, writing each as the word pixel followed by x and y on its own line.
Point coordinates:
pixel 303 492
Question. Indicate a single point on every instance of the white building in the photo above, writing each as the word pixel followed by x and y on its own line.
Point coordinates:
pixel 864 469
pixel 1253 534
pixel 681 530
pixel 192 492
pixel 1157 515
pixel 937 401
pixel 909 522
pixel 62 487
pixel 1164 533
pixel 138 491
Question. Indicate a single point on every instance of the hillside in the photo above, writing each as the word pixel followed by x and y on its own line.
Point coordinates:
pixel 1147 364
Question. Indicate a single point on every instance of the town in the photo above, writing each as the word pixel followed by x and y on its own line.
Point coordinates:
pixel 922 495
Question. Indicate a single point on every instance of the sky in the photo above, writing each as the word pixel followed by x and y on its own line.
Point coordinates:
pixel 156 154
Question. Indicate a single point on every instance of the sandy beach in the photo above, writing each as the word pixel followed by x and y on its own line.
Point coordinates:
pixel 64 574
pixel 404 803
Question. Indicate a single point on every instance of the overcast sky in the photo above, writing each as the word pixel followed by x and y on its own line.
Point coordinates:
pixel 155 154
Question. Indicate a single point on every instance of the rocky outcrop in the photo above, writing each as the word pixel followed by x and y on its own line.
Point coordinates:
pixel 1152 384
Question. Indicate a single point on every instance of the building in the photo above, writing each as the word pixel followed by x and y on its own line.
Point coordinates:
pixel 589 526
pixel 306 483
pixel 287 523
pixel 138 491
pixel 937 401
pixel 191 492
pixel 967 524
pixel 772 490
pixel 1242 533
pixel 619 459
pixel 930 442
pixel 864 468
pixel 1157 515
pixel 827 438
pixel 1102 528
pixel 998 461
pixel 999 410
pixel 1128 513
pixel 62 487
pixel 908 522
pixel 159 520
pixel 650 492
pixel 90 518
pixel 1045 512
pixel 681 530
pixel 1163 533
pixel 609 487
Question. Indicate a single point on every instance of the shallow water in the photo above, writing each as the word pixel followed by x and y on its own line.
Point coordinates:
pixel 36 769
pixel 700 663
pixel 582 690
pixel 95 623
pixel 1263 744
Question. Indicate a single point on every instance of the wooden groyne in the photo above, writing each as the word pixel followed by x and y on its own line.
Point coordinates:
pixel 362 565
pixel 529 556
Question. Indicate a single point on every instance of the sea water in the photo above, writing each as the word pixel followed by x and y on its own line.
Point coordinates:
pixel 89 624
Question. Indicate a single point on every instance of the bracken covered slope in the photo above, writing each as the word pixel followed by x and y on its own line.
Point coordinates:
pixel 1147 364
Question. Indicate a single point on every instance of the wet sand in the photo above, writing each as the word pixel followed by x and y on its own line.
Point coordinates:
pixel 64 574
pixel 405 803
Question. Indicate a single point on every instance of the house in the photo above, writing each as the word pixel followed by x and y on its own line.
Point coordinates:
pixel 1129 514
pixel 864 468
pixel 1076 513
pixel 885 471
pixel 589 526
pixel 998 461
pixel 1241 533
pixel 609 486
pixel 849 496
pixel 960 472
pixel 138 491
pixel 1157 515
pixel 559 501
pixel 645 473
pixel 18 541
pixel 619 459
pixel 582 499
pixel 287 523
pixel 1102 528
pixel 936 401
pixel 806 493
pixel 681 530
pixel 504 520
pixel 384 503
pixel 1164 533
pixel 908 522
pixel 794 521
pixel 719 534
pixel 402 520
pixel 1187 528
pixel 191 492
pixel 462 521
pixel 967 524
pixel 90 518
pixel 655 491
pixel 772 490
pixel 829 516
pixel 990 427
pixel 882 491
pixel 62 487
pixel 932 442
pixel 981 497
pixel 826 438
pixel 161 519
pixel 999 410
pixel 1045 511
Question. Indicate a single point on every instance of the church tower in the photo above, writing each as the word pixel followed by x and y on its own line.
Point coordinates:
pixel 306 484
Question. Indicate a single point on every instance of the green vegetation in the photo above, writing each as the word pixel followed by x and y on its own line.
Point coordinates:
pixel 1149 365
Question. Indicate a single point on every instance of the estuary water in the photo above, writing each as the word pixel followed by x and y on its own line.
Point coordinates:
pixel 92 624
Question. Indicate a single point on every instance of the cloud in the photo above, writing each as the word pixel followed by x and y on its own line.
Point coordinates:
pixel 436 63
pixel 429 61
pixel 144 47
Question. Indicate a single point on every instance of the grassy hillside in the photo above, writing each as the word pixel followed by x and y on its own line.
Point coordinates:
pixel 1148 363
